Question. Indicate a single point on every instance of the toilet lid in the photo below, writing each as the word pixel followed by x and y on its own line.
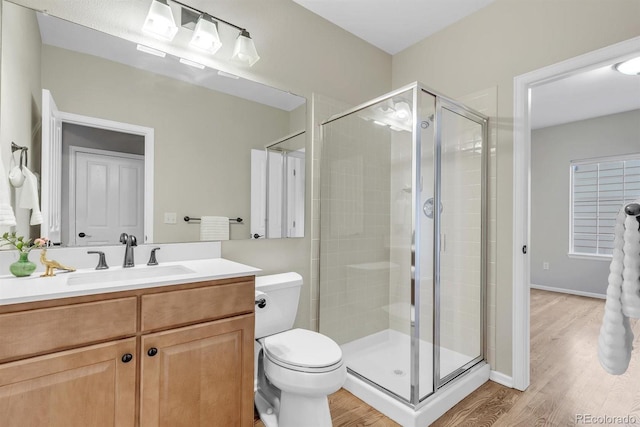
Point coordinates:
pixel 302 348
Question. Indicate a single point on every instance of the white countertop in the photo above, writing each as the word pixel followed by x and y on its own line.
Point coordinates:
pixel 15 290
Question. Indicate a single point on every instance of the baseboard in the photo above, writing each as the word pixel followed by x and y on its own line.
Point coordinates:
pixel 568 291
pixel 500 378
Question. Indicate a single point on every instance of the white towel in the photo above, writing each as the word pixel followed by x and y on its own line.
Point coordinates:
pixel 623 298
pixel 214 228
pixel 28 196
pixel 7 217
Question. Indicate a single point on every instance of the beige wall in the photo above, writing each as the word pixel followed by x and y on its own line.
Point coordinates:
pixel 490 48
pixel 21 89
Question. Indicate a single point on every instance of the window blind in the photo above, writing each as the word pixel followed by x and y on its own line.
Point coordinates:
pixel 599 188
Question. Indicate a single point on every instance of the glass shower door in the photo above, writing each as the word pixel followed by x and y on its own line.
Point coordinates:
pixel 459 253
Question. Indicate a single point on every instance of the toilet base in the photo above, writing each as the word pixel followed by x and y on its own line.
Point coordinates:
pixel 313 410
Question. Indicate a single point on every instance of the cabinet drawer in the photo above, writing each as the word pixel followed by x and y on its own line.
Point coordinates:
pixel 183 307
pixel 45 330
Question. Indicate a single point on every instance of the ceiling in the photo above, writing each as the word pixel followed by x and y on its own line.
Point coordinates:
pixel 598 92
pixel 393 25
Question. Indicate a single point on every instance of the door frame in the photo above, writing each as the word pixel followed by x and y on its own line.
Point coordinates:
pixel 148 134
pixel 522 86
pixel 73 150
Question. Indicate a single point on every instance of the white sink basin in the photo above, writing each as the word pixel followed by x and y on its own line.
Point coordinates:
pixel 105 276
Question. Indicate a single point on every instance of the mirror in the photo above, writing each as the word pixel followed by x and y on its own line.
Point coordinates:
pixel 177 138
pixel 277 188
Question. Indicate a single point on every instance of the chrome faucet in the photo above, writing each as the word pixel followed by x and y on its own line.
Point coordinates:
pixel 130 241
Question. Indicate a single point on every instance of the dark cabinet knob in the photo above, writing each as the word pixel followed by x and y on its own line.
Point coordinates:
pixel 81 234
pixel 152 351
pixel 126 358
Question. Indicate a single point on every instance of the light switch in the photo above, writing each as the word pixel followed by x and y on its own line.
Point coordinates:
pixel 170 217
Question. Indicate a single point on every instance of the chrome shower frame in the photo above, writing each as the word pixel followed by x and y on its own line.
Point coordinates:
pixel 441 103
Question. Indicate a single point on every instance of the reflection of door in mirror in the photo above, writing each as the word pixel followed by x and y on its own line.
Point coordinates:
pixel 94 174
pixel 277 188
pixel 285 193
pixel 295 193
pixel 106 193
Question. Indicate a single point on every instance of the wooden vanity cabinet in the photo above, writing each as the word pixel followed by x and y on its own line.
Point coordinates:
pixel 198 376
pixel 178 355
pixel 88 386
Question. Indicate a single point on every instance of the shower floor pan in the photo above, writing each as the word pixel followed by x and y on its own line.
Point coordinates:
pixel 384 358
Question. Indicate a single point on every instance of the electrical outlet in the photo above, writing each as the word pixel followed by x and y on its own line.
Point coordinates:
pixel 545 265
pixel 170 217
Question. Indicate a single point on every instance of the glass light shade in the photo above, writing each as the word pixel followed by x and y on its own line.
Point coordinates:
pixel 205 36
pixel 159 22
pixel 630 67
pixel 244 50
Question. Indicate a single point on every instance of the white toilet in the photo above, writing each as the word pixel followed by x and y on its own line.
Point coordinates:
pixel 295 369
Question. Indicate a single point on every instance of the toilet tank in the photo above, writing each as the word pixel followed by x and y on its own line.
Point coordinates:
pixel 282 292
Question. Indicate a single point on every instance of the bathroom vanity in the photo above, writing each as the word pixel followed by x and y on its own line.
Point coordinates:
pixel 172 351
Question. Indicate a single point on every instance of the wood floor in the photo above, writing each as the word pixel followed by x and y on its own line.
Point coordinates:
pixel 566 378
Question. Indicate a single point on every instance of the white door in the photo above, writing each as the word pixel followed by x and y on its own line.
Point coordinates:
pixel 108 198
pixel 51 168
pixel 295 194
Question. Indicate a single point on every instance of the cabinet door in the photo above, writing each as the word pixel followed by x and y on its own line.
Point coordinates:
pixel 89 386
pixel 200 375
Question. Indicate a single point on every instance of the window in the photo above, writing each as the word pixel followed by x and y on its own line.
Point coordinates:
pixel 599 188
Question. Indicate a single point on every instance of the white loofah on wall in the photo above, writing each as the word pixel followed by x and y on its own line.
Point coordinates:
pixel 623 296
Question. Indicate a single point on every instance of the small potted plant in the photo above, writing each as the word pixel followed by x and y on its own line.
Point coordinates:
pixel 23 267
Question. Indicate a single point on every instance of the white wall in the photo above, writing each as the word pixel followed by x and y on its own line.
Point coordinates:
pixel 488 49
pixel 552 149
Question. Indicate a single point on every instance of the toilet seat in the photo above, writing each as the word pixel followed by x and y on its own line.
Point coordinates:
pixel 303 350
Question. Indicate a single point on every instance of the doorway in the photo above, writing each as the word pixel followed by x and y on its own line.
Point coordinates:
pixel 523 86
pixel 60 130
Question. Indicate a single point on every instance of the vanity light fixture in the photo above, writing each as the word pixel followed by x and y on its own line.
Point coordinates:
pixel 159 22
pixel 630 67
pixel 205 35
pixel 244 51
pixel 151 51
pixel 191 63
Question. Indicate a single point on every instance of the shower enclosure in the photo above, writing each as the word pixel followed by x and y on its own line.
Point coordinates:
pixel 402 241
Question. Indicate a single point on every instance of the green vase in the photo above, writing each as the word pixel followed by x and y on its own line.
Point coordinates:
pixel 23 267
